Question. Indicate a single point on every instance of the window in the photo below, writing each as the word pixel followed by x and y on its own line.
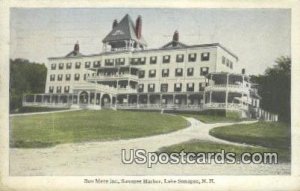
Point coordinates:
pixel 230 64
pixel 61 66
pixel 68 77
pixel 141 73
pixel 152 73
pixel 190 71
pixel 190 87
pixel 52 77
pixel 138 61
pixel 69 65
pixel 178 72
pixel 165 73
pixel 201 87
pixel 67 89
pixel 153 60
pixel 77 65
pixel 53 66
pixel 192 57
pixel 166 59
pixel 205 56
pixel 179 58
pixel 109 62
pixel 120 61
pixel 58 89
pixel 223 60
pixel 59 77
pixel 164 87
pixel 151 87
pixel 51 88
pixel 203 71
pixel 177 87
pixel 87 64
pixel 85 76
pixel 141 88
pixel 96 64
pixel 76 77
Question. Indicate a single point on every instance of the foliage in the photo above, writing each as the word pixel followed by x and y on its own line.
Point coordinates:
pixel 275 88
pixel 25 77
pixel 266 134
pixel 88 125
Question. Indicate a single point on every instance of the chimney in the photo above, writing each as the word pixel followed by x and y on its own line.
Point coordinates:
pixel 76 47
pixel 176 36
pixel 115 23
pixel 138 27
pixel 243 71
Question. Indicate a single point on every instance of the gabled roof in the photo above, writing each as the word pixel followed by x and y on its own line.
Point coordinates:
pixel 174 44
pixel 74 54
pixel 125 30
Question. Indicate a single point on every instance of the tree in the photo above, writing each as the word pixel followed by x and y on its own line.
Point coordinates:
pixel 25 77
pixel 275 88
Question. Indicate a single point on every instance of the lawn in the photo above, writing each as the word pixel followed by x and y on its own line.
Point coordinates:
pixel 86 125
pixel 212 118
pixel 35 109
pixel 267 134
pixel 198 146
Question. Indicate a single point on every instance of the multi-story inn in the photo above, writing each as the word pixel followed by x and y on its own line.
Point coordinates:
pixel 127 75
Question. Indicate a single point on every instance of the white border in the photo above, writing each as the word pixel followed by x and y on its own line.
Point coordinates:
pixel 222 182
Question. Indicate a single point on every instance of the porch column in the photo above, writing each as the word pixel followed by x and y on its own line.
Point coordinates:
pixel 137 100
pixel 148 100
pixel 210 97
pixel 127 100
pixel 226 95
pixel 34 98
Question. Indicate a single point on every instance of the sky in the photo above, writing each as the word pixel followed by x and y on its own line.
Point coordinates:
pixel 256 36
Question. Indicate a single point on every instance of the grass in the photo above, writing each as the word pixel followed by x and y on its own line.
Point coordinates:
pixel 212 118
pixel 267 134
pixel 198 146
pixel 80 126
pixel 35 109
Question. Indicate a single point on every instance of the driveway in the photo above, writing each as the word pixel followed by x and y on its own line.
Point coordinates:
pixel 104 158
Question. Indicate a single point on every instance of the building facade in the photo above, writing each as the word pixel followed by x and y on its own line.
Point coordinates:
pixel 128 75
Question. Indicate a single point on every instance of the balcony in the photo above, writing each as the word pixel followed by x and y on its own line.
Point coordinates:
pixel 223 87
pixel 103 78
pixel 234 106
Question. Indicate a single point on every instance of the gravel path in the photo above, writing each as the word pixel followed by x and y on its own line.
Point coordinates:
pixel 104 158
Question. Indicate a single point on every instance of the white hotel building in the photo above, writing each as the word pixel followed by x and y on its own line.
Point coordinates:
pixel 127 75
